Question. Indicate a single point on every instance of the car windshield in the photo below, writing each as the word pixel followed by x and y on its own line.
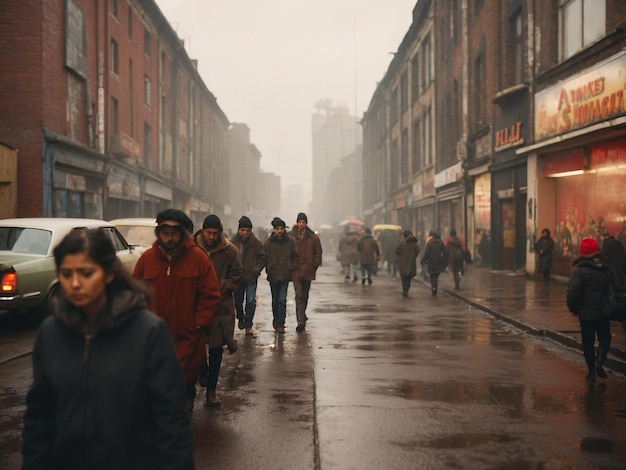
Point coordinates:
pixel 137 234
pixel 32 241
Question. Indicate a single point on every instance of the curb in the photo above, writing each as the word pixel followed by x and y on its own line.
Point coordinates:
pixel 616 363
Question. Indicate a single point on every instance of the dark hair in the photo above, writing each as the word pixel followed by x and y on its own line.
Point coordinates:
pixel 452 232
pixel 546 230
pixel 97 245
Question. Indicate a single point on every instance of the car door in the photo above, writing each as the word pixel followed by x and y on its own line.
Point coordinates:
pixel 127 254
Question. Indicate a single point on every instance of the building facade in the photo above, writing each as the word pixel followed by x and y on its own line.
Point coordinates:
pixel 517 126
pixel 108 113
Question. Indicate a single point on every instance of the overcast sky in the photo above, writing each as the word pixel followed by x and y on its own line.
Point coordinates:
pixel 269 61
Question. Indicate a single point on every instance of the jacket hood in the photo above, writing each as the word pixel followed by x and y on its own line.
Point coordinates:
pixel 594 260
pixel 122 305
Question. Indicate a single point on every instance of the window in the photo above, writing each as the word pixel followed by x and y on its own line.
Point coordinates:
pixel 147 91
pixel 479 89
pixel 515 28
pixel 114 57
pixel 131 88
pixel 455 21
pixel 114 8
pixel 147 42
pixel 394 176
pixel 115 116
pixel 416 160
pixel 582 23
pixel 415 81
pixel 147 143
pixel 162 67
pixel 404 154
pixel 394 106
pixel 426 73
pixel 130 22
pixel 404 92
pixel 426 139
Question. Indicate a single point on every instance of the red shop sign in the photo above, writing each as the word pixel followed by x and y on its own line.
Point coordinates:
pixel 563 161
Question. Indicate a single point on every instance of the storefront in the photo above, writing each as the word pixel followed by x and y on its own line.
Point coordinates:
pixel 74 180
pixel 579 159
pixel 157 197
pixel 124 193
pixel 450 201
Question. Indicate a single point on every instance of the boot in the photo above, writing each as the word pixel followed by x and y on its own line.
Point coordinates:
pixel 363 281
pixel 434 290
pixel 354 279
pixel 211 398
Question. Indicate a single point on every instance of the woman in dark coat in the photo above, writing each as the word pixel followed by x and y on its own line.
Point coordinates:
pixel 407 251
pixel 544 248
pixel 107 388
pixel 588 283
pixel 435 258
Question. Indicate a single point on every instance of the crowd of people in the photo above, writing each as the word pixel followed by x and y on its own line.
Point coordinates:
pixel 167 323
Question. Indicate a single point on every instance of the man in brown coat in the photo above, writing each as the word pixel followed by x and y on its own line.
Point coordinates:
pixel 369 254
pixel 227 262
pixel 310 253
pixel 282 261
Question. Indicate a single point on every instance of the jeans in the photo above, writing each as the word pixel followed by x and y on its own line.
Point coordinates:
pixel 249 291
pixel 302 289
pixel 279 301
pixel 588 332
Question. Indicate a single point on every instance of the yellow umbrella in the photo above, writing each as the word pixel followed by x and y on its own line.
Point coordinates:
pixel 381 227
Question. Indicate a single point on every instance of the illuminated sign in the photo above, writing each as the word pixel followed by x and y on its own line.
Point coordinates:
pixel 592 96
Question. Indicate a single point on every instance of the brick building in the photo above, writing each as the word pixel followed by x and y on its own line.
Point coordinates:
pixel 107 111
pixel 517 126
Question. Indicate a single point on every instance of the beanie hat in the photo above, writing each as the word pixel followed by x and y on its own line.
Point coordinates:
pixel 278 222
pixel 588 246
pixel 302 216
pixel 245 222
pixel 212 221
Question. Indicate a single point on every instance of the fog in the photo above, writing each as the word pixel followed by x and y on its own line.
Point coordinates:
pixel 269 61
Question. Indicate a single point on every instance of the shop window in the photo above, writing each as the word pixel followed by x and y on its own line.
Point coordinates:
pixel 582 23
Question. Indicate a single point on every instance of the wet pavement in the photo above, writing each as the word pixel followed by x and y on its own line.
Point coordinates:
pixel 474 378
pixel 531 306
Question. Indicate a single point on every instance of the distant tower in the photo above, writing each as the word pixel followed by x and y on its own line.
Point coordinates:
pixel 336 134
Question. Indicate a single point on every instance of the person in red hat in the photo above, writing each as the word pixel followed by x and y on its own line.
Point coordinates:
pixel 588 283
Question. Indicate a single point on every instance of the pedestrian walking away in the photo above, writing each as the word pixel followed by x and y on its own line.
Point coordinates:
pixel 544 248
pixel 407 251
pixel 309 259
pixel 435 259
pixel 369 255
pixel 282 261
pixel 221 331
pixel 613 255
pixel 456 257
pixel 186 291
pixel 349 254
pixel 588 283
pixel 107 389
pixel 253 260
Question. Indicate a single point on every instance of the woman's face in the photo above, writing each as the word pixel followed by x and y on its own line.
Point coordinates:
pixel 83 282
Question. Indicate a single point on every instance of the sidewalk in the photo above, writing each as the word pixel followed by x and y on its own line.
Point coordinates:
pixel 529 305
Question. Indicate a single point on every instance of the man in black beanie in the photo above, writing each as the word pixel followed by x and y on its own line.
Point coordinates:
pixel 227 262
pixel 253 259
pixel 310 258
pixel 282 260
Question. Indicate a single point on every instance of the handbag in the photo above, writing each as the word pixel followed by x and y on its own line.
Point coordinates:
pixel 614 302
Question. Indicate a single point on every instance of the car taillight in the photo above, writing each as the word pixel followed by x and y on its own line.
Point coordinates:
pixel 9 282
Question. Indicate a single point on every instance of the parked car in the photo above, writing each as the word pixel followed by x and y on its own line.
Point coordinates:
pixel 27 269
pixel 138 231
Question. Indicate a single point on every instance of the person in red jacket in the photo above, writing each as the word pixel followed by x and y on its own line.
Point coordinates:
pixel 186 291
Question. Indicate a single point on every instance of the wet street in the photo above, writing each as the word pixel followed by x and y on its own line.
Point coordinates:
pixel 380 381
